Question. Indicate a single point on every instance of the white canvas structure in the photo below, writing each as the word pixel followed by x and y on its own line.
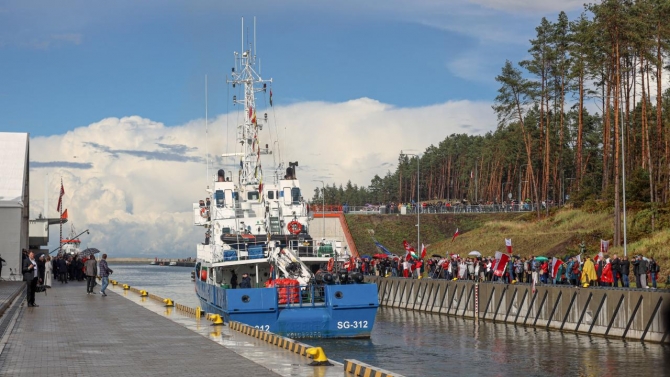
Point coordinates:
pixel 14 201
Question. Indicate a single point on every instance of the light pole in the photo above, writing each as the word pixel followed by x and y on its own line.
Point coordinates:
pixel 323 206
pixel 418 204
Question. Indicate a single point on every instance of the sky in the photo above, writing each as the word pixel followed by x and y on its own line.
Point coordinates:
pixel 113 96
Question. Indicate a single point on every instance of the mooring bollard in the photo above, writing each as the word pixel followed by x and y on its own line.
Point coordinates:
pixel 168 302
pixel 318 356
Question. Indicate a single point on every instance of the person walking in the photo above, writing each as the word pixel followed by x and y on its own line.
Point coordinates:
pixel 29 269
pixel 48 272
pixel 105 271
pixel 91 268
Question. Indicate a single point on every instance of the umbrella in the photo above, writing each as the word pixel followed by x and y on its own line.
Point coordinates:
pixel 380 256
pixel 437 256
pixel 475 253
pixel 89 251
pixel 365 257
pixel 541 259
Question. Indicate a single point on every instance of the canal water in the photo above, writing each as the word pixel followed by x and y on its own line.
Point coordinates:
pixel 422 344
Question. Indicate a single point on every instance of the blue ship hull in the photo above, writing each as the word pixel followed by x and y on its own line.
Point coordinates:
pixel 341 311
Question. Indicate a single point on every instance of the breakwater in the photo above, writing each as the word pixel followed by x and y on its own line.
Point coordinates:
pixel 633 314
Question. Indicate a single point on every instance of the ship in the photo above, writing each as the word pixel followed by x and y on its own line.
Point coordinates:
pixel 259 265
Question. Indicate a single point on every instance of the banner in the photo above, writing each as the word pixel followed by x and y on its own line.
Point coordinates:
pixel 382 248
pixel 508 244
pixel 604 246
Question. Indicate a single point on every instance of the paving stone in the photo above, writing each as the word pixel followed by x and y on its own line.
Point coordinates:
pixel 75 334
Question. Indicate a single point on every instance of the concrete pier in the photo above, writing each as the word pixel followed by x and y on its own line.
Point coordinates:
pixel 75 334
pixel 633 314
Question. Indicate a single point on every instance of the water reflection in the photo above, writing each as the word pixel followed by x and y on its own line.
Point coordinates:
pixel 423 344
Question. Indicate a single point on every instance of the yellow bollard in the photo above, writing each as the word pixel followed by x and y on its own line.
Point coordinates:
pixel 318 356
pixel 168 302
pixel 114 282
pixel 144 293
pixel 216 319
pixel 126 287
pixel 198 312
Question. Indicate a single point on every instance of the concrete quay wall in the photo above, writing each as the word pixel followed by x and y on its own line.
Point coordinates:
pixel 633 314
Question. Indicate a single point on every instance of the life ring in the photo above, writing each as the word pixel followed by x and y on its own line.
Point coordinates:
pixel 331 264
pixel 294 227
pixel 203 213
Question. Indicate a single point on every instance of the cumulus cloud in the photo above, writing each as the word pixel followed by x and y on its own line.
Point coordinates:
pixel 133 180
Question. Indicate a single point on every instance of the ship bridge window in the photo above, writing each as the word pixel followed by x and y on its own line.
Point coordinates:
pixel 271 194
pixel 252 195
pixel 218 196
pixel 295 195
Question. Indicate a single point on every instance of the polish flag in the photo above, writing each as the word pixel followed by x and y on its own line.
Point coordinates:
pixel 508 244
pixel 423 251
pixel 501 263
pixel 455 235
pixel 60 197
pixel 598 257
pixel 555 264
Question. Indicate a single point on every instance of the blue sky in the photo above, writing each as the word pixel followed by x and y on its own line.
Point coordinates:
pixel 71 63
pixel 112 94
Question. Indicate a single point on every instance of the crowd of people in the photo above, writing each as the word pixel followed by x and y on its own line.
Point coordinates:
pixel 40 272
pixel 578 270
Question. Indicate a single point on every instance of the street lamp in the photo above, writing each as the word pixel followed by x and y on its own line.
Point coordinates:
pixel 323 206
pixel 418 204
pixel 502 191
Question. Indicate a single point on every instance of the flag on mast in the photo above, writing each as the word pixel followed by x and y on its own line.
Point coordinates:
pixel 455 234
pixel 64 215
pixel 423 251
pixel 270 97
pixel 60 197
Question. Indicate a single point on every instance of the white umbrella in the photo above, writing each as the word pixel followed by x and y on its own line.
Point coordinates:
pixel 475 253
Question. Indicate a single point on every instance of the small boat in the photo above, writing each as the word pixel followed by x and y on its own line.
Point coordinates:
pixel 259 265
pixel 153 263
pixel 173 263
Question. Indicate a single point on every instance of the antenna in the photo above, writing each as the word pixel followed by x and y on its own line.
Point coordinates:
pixel 255 37
pixel 46 197
pixel 206 135
pixel 242 50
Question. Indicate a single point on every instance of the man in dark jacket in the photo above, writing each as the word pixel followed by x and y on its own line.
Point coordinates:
pixel 625 271
pixel 640 269
pixel 29 270
pixel 616 270
pixel 246 281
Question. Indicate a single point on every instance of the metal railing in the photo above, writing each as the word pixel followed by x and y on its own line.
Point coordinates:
pixel 458 208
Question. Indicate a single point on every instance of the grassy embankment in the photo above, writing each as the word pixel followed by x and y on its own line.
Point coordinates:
pixel 558 235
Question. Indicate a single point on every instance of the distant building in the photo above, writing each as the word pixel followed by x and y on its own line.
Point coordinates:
pixel 14 199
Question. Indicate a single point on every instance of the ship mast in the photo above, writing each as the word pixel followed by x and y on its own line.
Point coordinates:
pixel 244 74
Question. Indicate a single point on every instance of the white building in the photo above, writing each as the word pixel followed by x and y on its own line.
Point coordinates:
pixel 14 189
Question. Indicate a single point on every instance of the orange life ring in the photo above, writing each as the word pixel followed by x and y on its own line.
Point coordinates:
pixel 331 264
pixel 294 227
pixel 203 212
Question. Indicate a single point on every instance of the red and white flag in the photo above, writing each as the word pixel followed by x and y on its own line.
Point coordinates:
pixel 508 244
pixel 408 250
pixel 501 263
pixel 423 251
pixel 604 246
pixel 455 235
pixel 60 197
pixel 64 215
pixel 555 264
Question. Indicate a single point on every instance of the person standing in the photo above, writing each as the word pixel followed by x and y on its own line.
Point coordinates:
pixel 48 272
pixel 2 261
pixel 654 269
pixel 91 268
pixel 105 271
pixel 625 271
pixel 29 269
pixel 246 281
pixel 616 270
pixel 640 272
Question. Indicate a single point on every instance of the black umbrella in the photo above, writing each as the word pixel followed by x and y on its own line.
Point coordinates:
pixel 437 256
pixel 89 251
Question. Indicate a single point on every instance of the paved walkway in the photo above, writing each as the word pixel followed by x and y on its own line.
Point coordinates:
pixel 75 334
